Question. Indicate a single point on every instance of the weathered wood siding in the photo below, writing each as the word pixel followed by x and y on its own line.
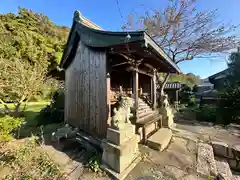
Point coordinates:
pixel 86 91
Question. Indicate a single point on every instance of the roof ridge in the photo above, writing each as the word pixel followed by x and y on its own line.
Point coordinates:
pixel 78 17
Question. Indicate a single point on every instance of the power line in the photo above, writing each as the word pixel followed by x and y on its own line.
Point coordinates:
pixel 128 37
pixel 119 10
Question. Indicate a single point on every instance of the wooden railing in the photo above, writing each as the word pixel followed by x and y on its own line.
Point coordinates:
pixel 115 92
pixel 146 98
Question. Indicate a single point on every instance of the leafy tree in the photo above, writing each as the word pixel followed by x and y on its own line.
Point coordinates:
pixel 31 47
pixel 185 94
pixel 19 81
pixel 183 32
pixel 31 37
pixel 234 68
pixel 54 112
pixel 230 98
pixel 188 79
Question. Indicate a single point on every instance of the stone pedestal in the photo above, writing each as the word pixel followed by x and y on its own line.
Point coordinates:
pixel 120 151
pixel 167 117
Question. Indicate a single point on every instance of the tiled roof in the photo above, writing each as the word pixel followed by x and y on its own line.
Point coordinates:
pixel 93 36
pixel 171 85
pixel 223 73
pixel 87 22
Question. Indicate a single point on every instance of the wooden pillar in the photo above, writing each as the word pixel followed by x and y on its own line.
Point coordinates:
pixel 135 89
pixel 151 91
pixel 109 98
pixel 177 95
pixel 154 90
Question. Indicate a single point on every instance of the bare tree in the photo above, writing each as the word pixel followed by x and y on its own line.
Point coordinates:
pixel 21 80
pixel 183 32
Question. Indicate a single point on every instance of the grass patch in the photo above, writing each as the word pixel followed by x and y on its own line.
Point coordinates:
pixel 30 126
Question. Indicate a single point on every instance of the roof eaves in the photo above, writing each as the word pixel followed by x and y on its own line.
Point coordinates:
pixel 160 51
pixel 67 48
pixel 224 72
pixel 78 17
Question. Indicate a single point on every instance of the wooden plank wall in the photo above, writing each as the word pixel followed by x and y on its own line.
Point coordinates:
pixel 86 91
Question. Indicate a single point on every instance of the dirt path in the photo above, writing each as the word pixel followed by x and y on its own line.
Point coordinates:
pixel 177 162
pixel 208 132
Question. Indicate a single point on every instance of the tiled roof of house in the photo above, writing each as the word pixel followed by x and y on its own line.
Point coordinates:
pixel 219 74
pixel 172 85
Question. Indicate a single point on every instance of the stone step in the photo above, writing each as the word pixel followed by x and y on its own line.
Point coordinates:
pixel 143 105
pixel 144 110
pixel 147 118
pixel 145 114
pixel 206 164
pixel 160 140
pixel 223 169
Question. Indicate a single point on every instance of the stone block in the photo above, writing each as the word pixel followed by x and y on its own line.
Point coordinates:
pixel 221 149
pixel 127 147
pixel 120 149
pixel 122 175
pixel 74 170
pixel 160 139
pixel 120 136
pixel 237 148
pixel 120 157
pixel 205 161
pixel 224 170
pixel 234 164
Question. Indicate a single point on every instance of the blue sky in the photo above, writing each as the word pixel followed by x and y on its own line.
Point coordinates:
pixel 105 13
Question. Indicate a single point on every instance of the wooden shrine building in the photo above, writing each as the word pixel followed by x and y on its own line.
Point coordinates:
pixel 98 64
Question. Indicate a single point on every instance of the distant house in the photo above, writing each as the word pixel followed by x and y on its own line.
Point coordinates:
pixel 203 88
pixel 206 85
pixel 219 79
pixel 207 92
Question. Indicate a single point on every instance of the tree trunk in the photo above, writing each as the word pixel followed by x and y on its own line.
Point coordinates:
pixel 17 111
pixel 164 83
pixel 6 110
pixel 162 86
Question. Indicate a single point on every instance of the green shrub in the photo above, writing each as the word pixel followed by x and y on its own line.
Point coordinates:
pixel 229 105
pixel 94 163
pixel 192 102
pixel 54 112
pixel 7 126
pixel 206 113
